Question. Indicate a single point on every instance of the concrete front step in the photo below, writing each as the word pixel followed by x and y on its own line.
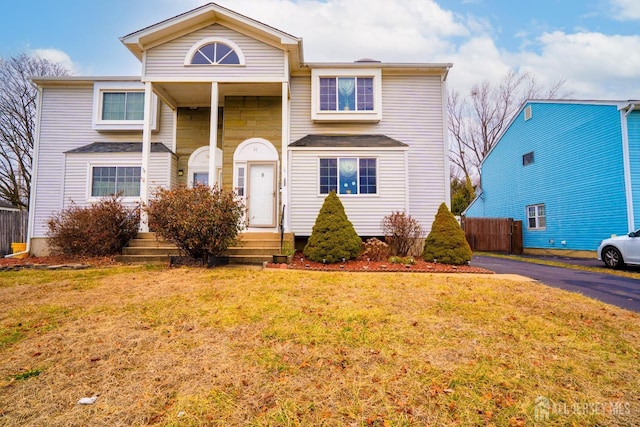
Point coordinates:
pixel 150 250
pixel 254 248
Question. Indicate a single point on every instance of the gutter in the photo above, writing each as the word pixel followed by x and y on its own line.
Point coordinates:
pixel 627 168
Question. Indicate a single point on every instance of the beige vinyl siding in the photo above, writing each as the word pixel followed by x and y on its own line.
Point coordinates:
pixel 412 112
pixel 262 61
pixel 364 211
pixel 65 124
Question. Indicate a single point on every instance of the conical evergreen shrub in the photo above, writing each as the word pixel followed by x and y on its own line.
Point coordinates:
pixel 446 242
pixel 333 236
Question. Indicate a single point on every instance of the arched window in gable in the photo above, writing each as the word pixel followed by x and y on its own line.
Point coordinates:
pixel 215 52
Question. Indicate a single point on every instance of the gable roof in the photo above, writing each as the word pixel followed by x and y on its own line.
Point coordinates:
pixel 203 16
pixel 621 105
pixel 347 141
pixel 119 147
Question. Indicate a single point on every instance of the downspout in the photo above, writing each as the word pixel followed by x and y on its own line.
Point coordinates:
pixel 34 180
pixel 627 168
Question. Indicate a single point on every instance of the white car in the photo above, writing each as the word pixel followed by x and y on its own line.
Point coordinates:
pixel 617 251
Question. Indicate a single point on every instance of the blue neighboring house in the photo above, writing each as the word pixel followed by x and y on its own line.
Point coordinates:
pixel 570 170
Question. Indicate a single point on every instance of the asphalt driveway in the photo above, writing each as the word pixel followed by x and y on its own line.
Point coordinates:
pixel 621 291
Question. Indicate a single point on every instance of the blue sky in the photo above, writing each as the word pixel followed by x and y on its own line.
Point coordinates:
pixel 593 44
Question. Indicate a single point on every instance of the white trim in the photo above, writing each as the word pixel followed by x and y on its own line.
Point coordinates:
pixel 358 195
pixel 109 164
pixel 210 40
pixel 213 134
pixel 100 88
pixel 244 152
pixel 407 204
pixel 284 162
pixel 536 216
pixel 445 144
pixel 626 162
pixel 210 79
pixel 351 116
pixel 146 155
pixel 399 148
pixel 194 164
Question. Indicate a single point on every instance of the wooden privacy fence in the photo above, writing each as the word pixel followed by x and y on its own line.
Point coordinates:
pixel 13 228
pixel 493 234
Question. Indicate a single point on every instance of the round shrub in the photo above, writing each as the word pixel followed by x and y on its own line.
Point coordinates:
pixel 101 229
pixel 333 236
pixel 446 242
pixel 201 221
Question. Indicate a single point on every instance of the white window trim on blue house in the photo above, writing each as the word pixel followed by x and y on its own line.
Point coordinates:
pixel 540 219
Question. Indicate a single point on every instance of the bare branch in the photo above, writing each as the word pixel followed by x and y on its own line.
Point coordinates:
pixel 17 123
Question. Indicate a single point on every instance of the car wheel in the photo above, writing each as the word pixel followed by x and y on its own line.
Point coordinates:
pixel 612 257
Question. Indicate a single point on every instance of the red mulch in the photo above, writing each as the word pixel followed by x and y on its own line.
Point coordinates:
pixel 300 263
pixel 59 260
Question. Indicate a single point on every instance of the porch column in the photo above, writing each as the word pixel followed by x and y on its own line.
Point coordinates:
pixel 213 135
pixel 284 157
pixel 146 155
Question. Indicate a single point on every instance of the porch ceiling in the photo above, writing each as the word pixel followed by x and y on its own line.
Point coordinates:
pixel 198 94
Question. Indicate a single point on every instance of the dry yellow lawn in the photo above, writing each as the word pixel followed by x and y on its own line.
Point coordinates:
pixel 231 347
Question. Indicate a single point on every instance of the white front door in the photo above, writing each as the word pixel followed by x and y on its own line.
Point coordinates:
pixel 261 194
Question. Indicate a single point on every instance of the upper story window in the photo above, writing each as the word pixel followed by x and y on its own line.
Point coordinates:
pixel 120 106
pixel 527 159
pixel 123 106
pixel 341 95
pixel 346 93
pixel 214 51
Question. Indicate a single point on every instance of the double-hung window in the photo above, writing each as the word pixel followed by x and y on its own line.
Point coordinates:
pixel 536 217
pixel 119 106
pixel 348 175
pixel 115 180
pixel 346 94
pixel 343 95
pixel 123 106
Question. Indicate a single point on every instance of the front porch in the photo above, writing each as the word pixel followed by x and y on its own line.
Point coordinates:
pixel 234 136
pixel 254 248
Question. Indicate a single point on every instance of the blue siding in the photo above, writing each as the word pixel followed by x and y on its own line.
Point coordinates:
pixel 577 174
pixel 633 129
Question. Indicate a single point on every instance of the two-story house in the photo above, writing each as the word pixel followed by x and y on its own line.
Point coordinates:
pixel 569 170
pixel 225 99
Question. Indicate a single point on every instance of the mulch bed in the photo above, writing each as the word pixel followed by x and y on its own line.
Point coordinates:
pixel 9 264
pixel 363 265
pixel 298 263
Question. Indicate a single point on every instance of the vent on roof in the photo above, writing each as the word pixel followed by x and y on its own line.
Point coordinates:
pixel 527 113
pixel 367 60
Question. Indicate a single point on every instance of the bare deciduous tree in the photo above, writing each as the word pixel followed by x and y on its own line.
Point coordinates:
pixel 17 123
pixel 476 121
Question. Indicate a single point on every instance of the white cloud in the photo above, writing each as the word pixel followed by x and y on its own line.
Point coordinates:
pixel 625 10
pixel 347 30
pixel 56 56
pixel 595 65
